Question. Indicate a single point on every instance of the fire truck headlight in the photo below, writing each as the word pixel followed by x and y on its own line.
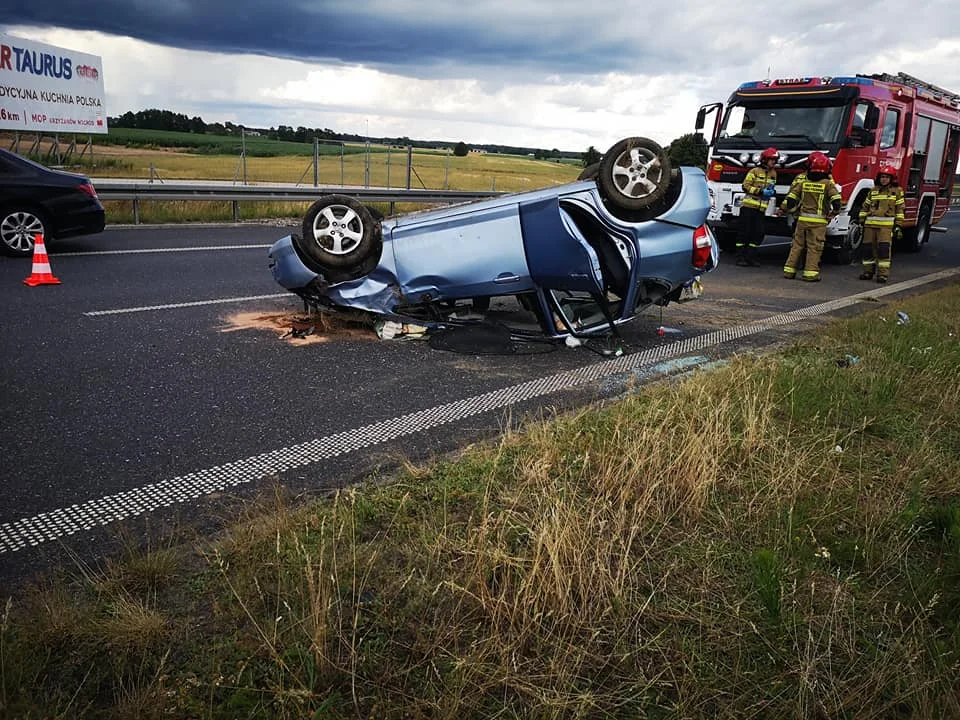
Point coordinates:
pixel 713 199
pixel 744 157
pixel 756 157
pixel 782 159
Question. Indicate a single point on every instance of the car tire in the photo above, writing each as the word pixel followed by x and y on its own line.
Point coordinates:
pixel 18 226
pixel 340 233
pixel 590 172
pixel 634 174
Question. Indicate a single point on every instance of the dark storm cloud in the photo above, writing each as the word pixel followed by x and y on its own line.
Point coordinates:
pixel 418 37
pixel 501 42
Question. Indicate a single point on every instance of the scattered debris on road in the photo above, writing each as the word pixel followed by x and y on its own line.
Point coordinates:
pixel 298 328
pixel 848 361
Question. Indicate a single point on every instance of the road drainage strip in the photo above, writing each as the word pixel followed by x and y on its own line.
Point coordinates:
pixel 78 518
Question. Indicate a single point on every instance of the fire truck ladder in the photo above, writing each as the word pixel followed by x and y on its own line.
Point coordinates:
pixel 901 78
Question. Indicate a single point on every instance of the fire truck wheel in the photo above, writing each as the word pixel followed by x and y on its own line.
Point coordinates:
pixel 915 237
pixel 634 174
pixel 851 245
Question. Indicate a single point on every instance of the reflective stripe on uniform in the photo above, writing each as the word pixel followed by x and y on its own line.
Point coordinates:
pixel 811 273
pixel 883 264
pixel 879 221
pixel 816 219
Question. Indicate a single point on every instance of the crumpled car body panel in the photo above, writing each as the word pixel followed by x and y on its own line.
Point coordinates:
pixel 561 241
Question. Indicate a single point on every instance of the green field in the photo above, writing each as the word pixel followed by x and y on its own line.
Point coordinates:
pixel 218 144
pixel 169 156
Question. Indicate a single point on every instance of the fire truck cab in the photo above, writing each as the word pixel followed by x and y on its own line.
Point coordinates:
pixel 860 122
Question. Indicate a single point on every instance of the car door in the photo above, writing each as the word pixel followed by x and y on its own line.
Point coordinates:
pixel 472 250
pixel 558 255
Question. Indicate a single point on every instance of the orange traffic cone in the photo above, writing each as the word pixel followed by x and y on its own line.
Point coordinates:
pixel 41 274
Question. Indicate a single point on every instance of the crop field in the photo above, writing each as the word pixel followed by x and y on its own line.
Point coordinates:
pixel 208 144
pixel 169 156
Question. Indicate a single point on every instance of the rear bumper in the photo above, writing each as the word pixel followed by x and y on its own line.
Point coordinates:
pixel 86 222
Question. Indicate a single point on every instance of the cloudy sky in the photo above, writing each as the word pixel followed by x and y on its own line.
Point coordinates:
pixel 553 74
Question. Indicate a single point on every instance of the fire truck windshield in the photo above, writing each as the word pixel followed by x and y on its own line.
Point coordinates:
pixel 770 124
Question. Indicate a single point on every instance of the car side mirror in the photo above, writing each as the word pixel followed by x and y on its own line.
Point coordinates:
pixel 872 119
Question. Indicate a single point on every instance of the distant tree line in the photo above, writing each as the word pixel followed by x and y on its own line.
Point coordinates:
pixel 690 149
pixel 156 119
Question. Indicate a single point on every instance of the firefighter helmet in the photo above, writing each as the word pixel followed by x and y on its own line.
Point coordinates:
pixel 818 162
pixel 770 153
pixel 887 169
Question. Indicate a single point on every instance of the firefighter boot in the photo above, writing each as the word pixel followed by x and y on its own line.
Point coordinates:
pixel 742 257
pixel 751 256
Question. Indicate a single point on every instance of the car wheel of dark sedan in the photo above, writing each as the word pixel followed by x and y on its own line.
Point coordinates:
pixel 634 174
pixel 340 233
pixel 17 230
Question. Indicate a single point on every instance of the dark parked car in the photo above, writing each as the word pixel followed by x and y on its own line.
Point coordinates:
pixel 37 200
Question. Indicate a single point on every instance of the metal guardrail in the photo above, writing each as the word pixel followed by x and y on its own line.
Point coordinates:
pixel 137 192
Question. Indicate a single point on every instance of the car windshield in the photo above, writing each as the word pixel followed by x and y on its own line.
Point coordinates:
pixel 811 124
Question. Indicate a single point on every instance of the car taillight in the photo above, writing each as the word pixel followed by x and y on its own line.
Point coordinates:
pixel 702 247
pixel 713 172
pixel 87 189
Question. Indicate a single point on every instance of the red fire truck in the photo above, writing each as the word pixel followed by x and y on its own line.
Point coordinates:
pixel 859 122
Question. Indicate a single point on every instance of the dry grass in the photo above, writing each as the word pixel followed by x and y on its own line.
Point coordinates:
pixel 504 173
pixel 700 549
pixel 474 172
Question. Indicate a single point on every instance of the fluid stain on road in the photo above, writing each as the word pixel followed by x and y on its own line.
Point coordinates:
pixel 302 329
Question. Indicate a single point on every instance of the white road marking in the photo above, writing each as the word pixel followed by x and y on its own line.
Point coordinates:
pixel 197 303
pixel 48 526
pixel 157 250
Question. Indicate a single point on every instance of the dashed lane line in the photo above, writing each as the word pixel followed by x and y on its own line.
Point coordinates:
pixel 82 517
pixel 196 303
pixel 145 251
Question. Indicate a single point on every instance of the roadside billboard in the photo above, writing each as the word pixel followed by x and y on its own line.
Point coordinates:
pixel 47 89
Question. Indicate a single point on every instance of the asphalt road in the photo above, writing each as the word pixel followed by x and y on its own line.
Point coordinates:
pixel 159 410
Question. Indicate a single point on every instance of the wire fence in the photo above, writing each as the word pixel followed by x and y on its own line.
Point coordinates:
pixel 330 163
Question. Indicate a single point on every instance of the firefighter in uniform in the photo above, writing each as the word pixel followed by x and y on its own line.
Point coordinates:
pixel 814 199
pixel 759 188
pixel 881 217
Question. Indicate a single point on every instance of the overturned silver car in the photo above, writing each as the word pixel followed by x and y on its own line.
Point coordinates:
pixel 579 258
